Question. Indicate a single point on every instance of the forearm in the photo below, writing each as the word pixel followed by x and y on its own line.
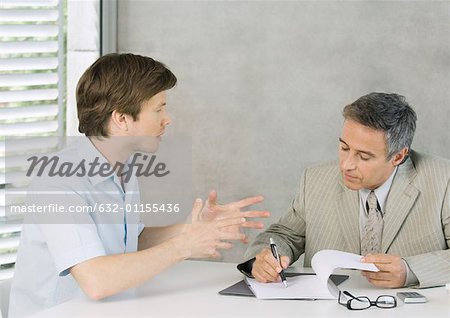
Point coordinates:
pixel 152 236
pixel 431 269
pixel 289 243
pixel 108 275
pixel 104 276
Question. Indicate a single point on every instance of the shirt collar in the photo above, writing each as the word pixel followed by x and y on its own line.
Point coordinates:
pixel 381 192
pixel 90 154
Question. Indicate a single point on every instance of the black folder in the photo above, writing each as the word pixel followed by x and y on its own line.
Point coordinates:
pixel 241 288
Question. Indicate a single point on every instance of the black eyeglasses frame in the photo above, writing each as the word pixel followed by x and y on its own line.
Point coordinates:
pixel 366 299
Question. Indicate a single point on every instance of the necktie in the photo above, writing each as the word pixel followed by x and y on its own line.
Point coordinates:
pixel 373 230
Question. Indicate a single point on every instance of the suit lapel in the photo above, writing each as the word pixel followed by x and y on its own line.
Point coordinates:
pixel 400 200
pixel 347 207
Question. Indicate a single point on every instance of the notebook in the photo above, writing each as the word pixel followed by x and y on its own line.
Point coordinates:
pixel 241 289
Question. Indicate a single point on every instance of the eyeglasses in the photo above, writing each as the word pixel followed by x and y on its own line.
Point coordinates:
pixel 363 302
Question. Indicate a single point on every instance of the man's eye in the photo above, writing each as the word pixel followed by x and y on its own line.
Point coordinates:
pixel 344 148
pixel 364 158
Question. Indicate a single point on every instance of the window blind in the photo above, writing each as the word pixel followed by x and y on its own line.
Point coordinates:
pixel 32 54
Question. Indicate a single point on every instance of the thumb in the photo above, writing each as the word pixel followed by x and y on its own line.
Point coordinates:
pixel 367 258
pixel 212 198
pixel 196 209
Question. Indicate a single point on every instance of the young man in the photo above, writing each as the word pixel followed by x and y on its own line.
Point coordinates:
pixel 121 101
pixel 404 228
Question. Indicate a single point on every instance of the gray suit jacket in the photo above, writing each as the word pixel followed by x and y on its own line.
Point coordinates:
pixel 325 215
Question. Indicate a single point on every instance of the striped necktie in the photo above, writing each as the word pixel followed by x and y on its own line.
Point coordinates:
pixel 373 230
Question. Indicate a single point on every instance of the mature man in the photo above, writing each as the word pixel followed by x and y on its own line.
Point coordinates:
pixel 121 102
pixel 382 200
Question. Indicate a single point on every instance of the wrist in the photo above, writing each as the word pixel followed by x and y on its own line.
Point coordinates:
pixel 180 246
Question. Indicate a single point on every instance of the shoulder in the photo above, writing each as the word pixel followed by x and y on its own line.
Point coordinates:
pixel 57 170
pixel 430 164
pixel 323 170
pixel 321 177
pixel 44 161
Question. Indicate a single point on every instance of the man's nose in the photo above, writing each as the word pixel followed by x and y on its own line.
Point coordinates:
pixel 349 162
pixel 167 120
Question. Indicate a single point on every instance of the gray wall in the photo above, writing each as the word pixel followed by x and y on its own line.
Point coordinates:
pixel 262 84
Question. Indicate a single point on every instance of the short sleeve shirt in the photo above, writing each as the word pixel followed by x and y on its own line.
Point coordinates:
pixel 98 225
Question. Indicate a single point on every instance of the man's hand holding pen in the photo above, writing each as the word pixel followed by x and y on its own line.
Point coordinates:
pixel 266 269
pixel 274 249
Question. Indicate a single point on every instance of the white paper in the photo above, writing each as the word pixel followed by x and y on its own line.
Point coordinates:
pixel 325 262
pixel 299 287
pixel 311 286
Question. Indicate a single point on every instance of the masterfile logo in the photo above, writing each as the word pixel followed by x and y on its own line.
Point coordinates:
pixel 66 179
pixel 146 167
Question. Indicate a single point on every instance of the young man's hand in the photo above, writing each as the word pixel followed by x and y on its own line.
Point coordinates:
pixel 214 211
pixel 204 239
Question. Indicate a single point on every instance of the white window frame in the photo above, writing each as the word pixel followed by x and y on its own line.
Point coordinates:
pixel 83 47
pixel 32 59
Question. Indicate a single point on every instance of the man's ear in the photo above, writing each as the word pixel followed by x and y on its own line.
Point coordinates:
pixel 399 157
pixel 119 120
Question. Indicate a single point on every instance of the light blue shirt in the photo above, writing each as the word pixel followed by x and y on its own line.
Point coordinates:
pixel 51 245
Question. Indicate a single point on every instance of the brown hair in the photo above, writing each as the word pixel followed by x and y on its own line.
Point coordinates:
pixel 120 82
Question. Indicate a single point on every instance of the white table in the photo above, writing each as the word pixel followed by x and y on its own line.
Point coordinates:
pixel 190 289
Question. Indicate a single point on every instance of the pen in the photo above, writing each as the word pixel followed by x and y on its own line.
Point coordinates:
pixel 275 254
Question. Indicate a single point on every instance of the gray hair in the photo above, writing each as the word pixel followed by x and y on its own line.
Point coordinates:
pixel 389 113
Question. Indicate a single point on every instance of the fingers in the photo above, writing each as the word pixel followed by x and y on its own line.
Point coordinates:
pixel 232 236
pixel 196 209
pixel 212 251
pixel 396 277
pixel 394 267
pixel 224 245
pixel 377 275
pixel 255 214
pixel 266 268
pixel 246 214
pixel 285 261
pixel 253 225
pixel 212 210
pixel 214 254
pixel 238 222
pixel 249 201
pixel 385 283
pixel 245 240
pixel 261 275
pixel 392 272
pixel 378 258
pixel 212 197
pixel 225 224
pixel 386 262
pixel 230 222
pixel 379 279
